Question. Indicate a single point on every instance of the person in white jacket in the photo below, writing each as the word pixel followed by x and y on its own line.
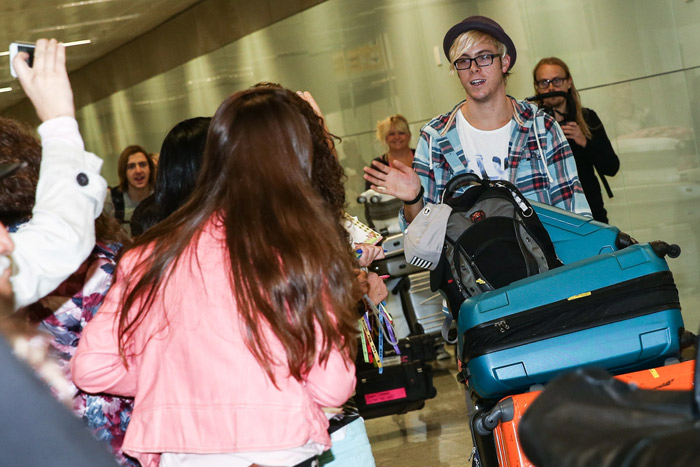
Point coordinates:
pixel 70 193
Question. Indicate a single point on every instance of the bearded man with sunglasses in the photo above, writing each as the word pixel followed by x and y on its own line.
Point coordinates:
pixel 489 133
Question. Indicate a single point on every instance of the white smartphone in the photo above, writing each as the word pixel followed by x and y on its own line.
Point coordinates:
pixel 17 47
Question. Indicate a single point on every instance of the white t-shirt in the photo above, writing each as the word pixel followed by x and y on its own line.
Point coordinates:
pixel 486 151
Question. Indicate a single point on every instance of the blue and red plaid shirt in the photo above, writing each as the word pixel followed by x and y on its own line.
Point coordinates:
pixel 439 157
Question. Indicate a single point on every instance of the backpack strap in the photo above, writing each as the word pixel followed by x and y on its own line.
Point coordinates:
pixel 520 201
pixel 118 202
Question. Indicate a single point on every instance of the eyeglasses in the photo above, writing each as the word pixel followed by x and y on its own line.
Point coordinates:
pixel 465 63
pixel 544 83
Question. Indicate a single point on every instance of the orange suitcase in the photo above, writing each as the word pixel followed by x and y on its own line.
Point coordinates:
pixel 508 412
pixel 678 377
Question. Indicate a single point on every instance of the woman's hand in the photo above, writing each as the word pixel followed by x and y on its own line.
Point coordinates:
pixel 377 288
pixel 46 83
pixel 372 285
pixel 369 253
pixel 306 95
pixel 399 180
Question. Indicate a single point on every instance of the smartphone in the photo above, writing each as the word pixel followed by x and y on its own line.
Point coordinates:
pixel 17 47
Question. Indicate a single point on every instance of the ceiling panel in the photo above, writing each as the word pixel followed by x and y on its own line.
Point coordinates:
pixel 108 24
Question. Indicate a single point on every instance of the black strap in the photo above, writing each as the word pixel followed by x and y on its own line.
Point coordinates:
pixel 118 202
pixel 605 183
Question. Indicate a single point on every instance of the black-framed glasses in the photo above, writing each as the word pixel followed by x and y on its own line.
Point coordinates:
pixel 465 63
pixel 544 83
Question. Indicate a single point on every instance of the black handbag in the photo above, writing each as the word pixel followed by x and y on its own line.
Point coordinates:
pixel 588 418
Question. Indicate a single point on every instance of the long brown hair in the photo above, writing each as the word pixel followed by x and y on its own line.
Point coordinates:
pixel 574 93
pixel 287 273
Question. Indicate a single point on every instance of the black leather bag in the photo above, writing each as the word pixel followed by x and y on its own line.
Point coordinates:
pixel 398 389
pixel 588 418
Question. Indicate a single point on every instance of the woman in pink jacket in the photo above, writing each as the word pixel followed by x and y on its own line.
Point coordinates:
pixel 232 322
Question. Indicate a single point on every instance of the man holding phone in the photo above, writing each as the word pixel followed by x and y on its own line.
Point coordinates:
pixel 71 191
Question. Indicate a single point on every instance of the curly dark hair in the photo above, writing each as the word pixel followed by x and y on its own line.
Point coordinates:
pixel 17 192
pixel 327 175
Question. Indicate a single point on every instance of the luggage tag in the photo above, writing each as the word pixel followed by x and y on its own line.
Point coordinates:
pixel 381 344
pixel 371 355
pixel 390 337
pixel 385 330
pixel 363 343
pixel 387 323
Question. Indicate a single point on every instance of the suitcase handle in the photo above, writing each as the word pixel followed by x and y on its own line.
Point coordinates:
pixel 503 411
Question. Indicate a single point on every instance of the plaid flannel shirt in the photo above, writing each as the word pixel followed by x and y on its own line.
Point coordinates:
pixel 439 157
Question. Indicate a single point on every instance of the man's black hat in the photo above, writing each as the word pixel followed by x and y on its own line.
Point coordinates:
pixel 483 24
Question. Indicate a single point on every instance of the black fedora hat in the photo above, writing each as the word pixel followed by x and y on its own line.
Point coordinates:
pixel 483 24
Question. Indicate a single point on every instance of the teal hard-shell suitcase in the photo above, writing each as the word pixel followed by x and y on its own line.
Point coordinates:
pixel 617 310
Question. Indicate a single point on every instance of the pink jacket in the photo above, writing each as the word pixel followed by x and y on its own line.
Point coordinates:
pixel 196 386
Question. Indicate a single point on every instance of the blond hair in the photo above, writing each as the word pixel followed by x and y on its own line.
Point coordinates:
pixel 469 39
pixel 396 121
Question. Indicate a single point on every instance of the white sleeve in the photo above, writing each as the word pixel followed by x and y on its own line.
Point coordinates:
pixel 61 232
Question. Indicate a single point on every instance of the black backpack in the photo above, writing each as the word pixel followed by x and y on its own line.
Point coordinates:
pixel 493 238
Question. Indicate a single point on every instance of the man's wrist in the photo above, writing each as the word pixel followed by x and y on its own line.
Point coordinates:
pixel 418 198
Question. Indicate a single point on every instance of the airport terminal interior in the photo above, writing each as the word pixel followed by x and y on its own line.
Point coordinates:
pixel 152 64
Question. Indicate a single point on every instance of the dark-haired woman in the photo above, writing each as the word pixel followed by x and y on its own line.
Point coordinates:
pixel 179 163
pixel 583 130
pixel 231 322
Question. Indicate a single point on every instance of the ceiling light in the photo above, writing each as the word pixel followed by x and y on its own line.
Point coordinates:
pixel 82 42
pixel 65 44
pixel 5 89
pixel 86 23
pixel 83 3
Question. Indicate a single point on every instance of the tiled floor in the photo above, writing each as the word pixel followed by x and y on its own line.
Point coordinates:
pixel 436 436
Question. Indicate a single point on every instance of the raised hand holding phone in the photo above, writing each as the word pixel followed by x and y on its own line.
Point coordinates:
pixel 17 47
pixel 46 82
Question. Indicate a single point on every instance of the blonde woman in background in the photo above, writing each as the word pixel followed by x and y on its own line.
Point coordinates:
pixel 394 134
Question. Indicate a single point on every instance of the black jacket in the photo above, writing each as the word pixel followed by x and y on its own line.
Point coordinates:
pixel 598 154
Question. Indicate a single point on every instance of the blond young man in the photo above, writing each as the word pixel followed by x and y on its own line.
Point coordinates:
pixel 489 133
